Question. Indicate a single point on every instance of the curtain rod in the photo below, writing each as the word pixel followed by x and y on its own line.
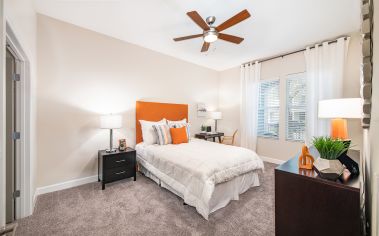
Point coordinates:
pixel 293 52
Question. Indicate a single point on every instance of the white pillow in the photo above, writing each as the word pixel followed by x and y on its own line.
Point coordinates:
pixel 176 122
pixel 148 134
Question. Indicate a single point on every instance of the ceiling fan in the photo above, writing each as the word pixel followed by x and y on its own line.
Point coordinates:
pixel 211 33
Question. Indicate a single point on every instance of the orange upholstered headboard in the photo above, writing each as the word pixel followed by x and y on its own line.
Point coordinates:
pixel 153 111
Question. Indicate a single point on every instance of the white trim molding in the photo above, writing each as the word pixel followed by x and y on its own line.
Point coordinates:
pixel 375 203
pixel 2 115
pixel 64 185
pixel 24 168
pixel 272 160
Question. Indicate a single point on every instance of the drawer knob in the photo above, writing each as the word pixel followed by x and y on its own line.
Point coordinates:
pixel 120 161
pixel 120 173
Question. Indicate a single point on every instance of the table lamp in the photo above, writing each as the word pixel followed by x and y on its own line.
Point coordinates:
pixel 338 110
pixel 215 115
pixel 110 122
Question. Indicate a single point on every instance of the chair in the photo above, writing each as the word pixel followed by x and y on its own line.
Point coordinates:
pixel 229 140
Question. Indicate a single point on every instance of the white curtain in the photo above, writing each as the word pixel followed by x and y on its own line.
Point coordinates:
pixel 325 72
pixel 250 76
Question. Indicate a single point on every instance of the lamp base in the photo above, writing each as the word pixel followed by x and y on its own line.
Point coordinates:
pixel 110 150
pixel 339 129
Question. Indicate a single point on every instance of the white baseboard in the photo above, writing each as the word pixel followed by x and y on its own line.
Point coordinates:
pixel 272 160
pixel 94 178
pixel 34 201
pixel 64 185
pixel 375 200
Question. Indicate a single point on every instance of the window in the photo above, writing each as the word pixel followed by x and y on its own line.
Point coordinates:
pixel 296 107
pixel 268 109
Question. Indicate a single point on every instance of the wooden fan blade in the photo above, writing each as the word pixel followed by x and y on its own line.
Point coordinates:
pixel 188 37
pixel 198 20
pixel 243 15
pixel 205 47
pixel 230 38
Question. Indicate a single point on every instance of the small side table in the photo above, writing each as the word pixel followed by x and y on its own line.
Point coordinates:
pixel 116 165
pixel 207 136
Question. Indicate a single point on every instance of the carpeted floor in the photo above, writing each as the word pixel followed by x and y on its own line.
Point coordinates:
pixel 143 208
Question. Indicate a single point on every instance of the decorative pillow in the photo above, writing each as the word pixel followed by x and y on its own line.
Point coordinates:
pixel 188 128
pixel 148 135
pixel 179 135
pixel 174 122
pixel 163 134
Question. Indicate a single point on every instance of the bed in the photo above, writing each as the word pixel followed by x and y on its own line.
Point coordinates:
pixel 204 174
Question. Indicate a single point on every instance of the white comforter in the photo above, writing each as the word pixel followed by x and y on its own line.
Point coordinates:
pixel 194 168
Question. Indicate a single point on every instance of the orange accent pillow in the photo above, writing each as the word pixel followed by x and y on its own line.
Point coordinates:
pixel 179 135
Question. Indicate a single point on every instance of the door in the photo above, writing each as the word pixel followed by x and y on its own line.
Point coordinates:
pixel 12 135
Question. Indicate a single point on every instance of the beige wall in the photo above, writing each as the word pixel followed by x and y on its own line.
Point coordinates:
pixel 229 101
pixel 352 85
pixel 229 98
pixel 83 74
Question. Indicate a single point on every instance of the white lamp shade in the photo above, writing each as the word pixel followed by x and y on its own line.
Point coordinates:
pixel 215 115
pixel 340 108
pixel 110 122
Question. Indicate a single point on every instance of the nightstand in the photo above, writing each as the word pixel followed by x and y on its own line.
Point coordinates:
pixel 207 136
pixel 116 165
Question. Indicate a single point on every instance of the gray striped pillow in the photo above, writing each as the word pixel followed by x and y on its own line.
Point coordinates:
pixel 163 134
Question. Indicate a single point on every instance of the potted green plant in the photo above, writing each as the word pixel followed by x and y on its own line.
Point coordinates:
pixel 203 129
pixel 328 166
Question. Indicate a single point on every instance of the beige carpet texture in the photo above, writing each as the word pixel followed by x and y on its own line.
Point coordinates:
pixel 143 208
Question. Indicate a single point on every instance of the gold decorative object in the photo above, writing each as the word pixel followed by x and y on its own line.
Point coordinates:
pixel 122 144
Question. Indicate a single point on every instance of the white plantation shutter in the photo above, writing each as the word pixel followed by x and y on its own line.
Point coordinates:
pixel 296 100
pixel 268 109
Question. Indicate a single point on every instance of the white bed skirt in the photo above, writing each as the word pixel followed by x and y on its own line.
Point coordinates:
pixel 223 193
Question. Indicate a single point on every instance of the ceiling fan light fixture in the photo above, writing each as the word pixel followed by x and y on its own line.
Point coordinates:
pixel 210 38
pixel 211 35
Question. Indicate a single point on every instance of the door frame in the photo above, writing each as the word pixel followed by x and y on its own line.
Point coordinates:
pixel 16 127
pixel 2 114
pixel 24 204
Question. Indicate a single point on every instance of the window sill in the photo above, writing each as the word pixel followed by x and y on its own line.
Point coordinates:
pixel 268 137
pixel 295 141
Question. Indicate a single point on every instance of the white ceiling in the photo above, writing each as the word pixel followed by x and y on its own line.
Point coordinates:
pixel 276 26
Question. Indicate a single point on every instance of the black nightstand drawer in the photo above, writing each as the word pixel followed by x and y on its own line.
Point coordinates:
pixel 118 160
pixel 116 165
pixel 118 173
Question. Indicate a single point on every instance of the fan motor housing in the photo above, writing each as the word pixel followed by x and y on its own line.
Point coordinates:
pixel 210 20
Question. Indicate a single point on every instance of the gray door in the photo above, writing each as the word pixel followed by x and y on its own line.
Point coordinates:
pixel 12 126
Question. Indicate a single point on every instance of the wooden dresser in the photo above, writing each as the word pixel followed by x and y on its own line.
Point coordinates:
pixel 305 204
